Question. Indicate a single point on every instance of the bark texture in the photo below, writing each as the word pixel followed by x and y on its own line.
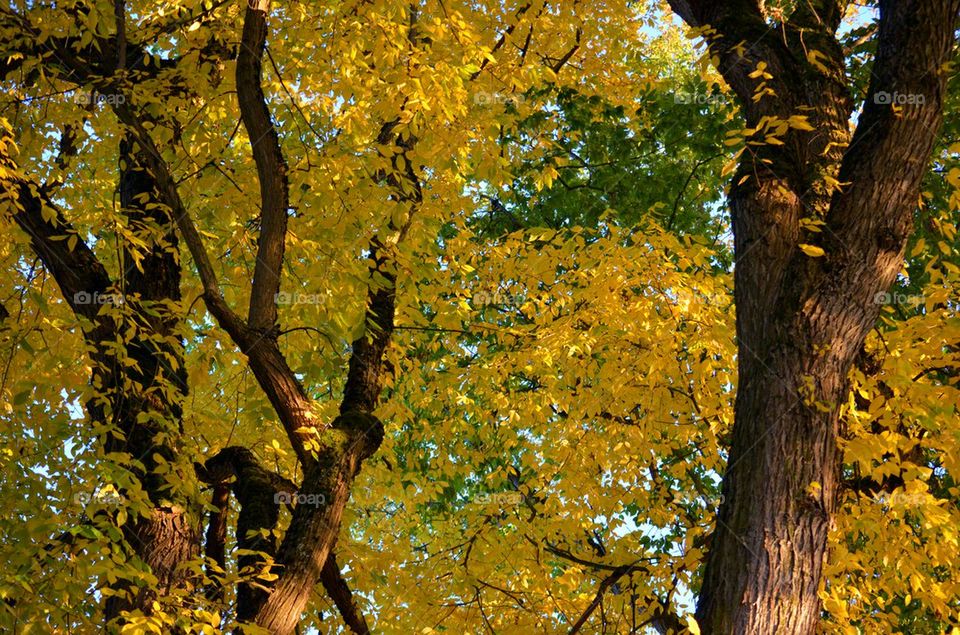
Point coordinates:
pixel 802 320
pixel 138 405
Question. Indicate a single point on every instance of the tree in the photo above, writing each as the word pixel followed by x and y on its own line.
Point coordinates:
pixel 151 71
pixel 481 256
pixel 821 220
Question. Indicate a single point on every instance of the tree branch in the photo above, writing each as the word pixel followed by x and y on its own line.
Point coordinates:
pixel 215 541
pixel 70 58
pixel 915 40
pixel 83 280
pixel 606 583
pixel 151 157
pixel 268 364
pixel 260 493
pixel 271 167
pixel 342 597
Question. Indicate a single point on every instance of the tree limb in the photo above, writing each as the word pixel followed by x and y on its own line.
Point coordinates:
pixel 260 493
pixel 268 364
pixel 271 167
pixel 83 280
pixel 342 596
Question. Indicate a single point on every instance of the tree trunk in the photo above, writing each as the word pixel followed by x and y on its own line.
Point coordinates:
pixel 147 398
pixel 164 542
pixel 136 404
pixel 802 319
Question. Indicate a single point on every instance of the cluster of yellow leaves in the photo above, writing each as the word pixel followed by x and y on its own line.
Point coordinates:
pixel 894 553
pixel 585 403
pixel 555 395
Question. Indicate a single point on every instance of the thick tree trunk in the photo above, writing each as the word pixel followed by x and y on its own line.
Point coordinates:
pixel 163 542
pixel 138 405
pixel 801 320
pixel 779 494
pixel 147 398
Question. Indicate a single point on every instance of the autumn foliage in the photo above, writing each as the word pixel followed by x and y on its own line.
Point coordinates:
pixel 423 318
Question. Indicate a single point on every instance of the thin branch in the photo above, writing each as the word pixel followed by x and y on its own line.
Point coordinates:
pixel 339 591
pixel 150 156
pixel 566 56
pixel 686 184
pixel 606 583
pixel 271 167
pixel 502 40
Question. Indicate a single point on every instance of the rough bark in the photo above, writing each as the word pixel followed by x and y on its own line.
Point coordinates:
pixel 148 398
pixel 134 403
pixel 332 456
pixel 802 320
pixel 260 494
pixel 139 402
pixel 314 530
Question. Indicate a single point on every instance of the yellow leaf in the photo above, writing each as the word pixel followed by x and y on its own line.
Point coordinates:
pixel 761 67
pixel 799 122
pixel 814 58
pixel 918 248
